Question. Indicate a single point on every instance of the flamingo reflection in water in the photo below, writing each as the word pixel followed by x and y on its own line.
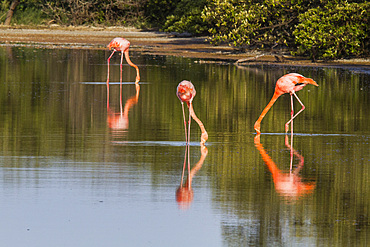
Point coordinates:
pixel 289 185
pixel 119 121
pixel 185 194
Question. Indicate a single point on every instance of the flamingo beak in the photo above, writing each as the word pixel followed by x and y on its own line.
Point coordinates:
pixel 310 81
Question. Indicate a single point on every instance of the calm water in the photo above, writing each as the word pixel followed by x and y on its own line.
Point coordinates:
pixel 76 173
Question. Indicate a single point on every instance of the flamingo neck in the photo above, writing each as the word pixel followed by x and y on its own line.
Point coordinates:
pixel 267 108
pixel 133 65
pixel 204 136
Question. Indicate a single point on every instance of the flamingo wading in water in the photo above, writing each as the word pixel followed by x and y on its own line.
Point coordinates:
pixel 122 45
pixel 186 92
pixel 289 83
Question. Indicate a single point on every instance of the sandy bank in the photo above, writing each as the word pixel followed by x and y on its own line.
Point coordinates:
pixel 157 43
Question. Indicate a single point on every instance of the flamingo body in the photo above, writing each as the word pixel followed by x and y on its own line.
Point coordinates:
pixel 119 44
pixel 289 83
pixel 292 82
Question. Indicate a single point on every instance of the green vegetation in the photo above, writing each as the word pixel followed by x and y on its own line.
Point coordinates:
pixel 186 17
pixel 334 30
pixel 340 29
pixel 320 29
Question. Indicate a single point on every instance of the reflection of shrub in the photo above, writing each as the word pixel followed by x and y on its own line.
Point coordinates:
pixel 334 31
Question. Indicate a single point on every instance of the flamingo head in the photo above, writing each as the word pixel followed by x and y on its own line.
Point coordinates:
pixel 185 91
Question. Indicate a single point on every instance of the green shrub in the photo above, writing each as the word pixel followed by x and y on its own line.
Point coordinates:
pixel 253 23
pixel 334 31
pixel 26 12
pixel 156 11
pixel 186 17
pixel 31 15
pixel 94 12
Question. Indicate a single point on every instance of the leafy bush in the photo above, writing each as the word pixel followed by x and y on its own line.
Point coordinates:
pixel 186 17
pixel 30 15
pixel 107 12
pixel 156 11
pixel 4 7
pixel 26 12
pixel 253 23
pixel 334 31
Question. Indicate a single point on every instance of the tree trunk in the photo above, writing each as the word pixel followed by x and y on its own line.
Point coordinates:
pixel 9 15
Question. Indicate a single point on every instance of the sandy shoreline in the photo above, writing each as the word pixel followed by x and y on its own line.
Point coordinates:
pixel 156 43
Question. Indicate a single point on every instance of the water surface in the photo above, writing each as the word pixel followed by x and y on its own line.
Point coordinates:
pixel 77 173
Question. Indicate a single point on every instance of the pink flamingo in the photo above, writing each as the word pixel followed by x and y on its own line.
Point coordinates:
pixel 122 45
pixel 186 92
pixel 289 83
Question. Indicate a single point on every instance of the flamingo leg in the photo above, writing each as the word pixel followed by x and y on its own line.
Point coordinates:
pixel 183 114
pixel 291 134
pixel 291 113
pixel 291 119
pixel 186 139
pixel 188 144
pixel 120 82
pixel 108 78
